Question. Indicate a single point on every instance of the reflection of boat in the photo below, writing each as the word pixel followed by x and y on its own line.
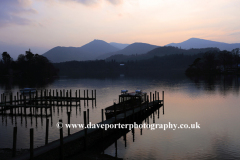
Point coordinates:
pixel 28 90
pixel 127 101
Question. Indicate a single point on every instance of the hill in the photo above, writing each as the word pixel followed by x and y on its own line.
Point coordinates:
pixel 158 52
pixel 202 43
pixel 132 49
pixel 119 45
pixel 88 51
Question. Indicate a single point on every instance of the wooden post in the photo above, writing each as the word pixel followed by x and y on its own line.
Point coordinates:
pixel 47 127
pixel 85 130
pixel 158 97
pixel 115 112
pixel 31 143
pixel 163 97
pixel 92 97
pixel 87 97
pixel 95 98
pixel 163 100
pixel 153 100
pixel 14 141
pixel 76 98
pixel 155 95
pixel 84 97
pixel 61 141
pixel 102 116
pixel 150 97
pixel 68 113
pixel 87 116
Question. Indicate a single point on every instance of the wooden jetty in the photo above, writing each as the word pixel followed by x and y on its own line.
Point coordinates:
pixel 43 99
pixel 71 145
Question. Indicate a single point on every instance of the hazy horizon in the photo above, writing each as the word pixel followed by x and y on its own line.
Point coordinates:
pixel 42 25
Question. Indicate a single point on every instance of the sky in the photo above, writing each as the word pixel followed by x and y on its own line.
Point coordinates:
pixel 44 24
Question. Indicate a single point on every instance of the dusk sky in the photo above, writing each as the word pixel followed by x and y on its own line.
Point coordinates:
pixel 48 23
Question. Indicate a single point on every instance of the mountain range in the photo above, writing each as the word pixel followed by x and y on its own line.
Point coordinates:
pixel 202 43
pixel 99 49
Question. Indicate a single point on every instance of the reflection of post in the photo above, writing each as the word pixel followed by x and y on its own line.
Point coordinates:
pixel 61 140
pixel 125 139
pixel 87 116
pixel 68 113
pixel 133 133
pixel 46 136
pixel 31 143
pixel 14 141
pixel 116 148
pixel 85 130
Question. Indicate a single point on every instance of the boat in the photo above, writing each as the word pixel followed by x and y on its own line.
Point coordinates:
pixel 28 90
pixel 127 101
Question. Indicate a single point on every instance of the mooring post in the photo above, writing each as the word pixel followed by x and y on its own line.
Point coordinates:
pixel 76 97
pixel 70 99
pixel 150 97
pixel 31 143
pixel 87 97
pixel 155 95
pixel 92 97
pixel 158 97
pixel 163 97
pixel 102 116
pixel 163 100
pixel 115 112
pixel 68 113
pixel 79 95
pixel 47 127
pixel 95 98
pixel 102 122
pixel 84 97
pixel 85 130
pixel 88 116
pixel 14 141
pixel 153 100
pixel 61 97
pixel 61 140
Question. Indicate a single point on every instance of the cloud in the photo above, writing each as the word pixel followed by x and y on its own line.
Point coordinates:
pixel 234 33
pixel 115 2
pixel 13 11
pixel 95 2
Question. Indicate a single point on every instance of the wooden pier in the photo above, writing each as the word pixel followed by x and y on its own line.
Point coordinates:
pixel 81 141
pixel 42 99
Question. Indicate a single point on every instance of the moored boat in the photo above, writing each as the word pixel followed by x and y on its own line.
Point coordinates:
pixel 127 101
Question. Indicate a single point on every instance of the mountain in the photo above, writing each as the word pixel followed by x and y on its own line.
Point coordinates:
pixel 202 43
pixel 98 47
pixel 159 52
pixel 88 51
pixel 132 49
pixel 119 45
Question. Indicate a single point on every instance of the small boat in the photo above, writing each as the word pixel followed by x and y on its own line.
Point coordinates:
pixel 28 90
pixel 127 101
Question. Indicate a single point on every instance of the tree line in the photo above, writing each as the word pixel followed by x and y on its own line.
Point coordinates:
pixel 28 66
pixel 215 62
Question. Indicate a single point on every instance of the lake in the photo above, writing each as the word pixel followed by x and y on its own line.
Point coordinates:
pixel 211 102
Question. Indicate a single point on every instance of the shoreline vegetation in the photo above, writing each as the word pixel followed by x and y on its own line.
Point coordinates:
pixel 34 68
pixel 28 67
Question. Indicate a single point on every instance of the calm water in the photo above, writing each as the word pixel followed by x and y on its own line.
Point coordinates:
pixel 214 103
